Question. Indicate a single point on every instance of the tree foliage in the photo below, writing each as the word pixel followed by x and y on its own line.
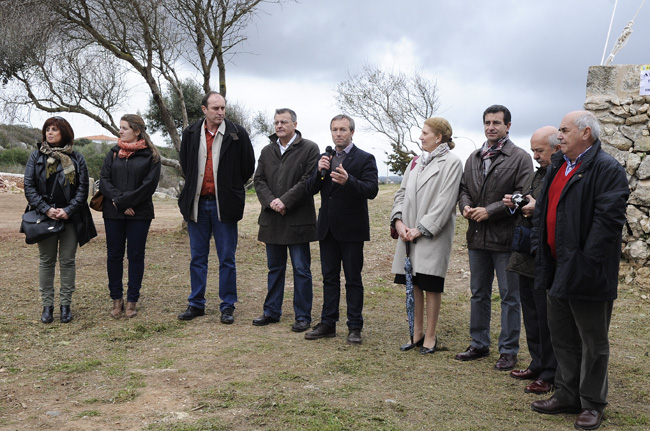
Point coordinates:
pixel 393 104
pixel 74 56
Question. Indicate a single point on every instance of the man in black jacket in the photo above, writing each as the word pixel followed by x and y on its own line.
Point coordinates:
pixel 217 160
pixel 343 225
pixel 577 233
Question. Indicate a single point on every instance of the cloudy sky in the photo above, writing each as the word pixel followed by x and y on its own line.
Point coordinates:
pixel 531 56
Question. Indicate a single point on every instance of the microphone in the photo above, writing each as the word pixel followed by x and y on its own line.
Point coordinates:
pixel 328 152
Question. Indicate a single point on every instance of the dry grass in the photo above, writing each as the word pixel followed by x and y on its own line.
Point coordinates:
pixel 156 373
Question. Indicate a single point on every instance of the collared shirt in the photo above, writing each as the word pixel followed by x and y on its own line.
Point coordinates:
pixel 338 158
pixel 570 166
pixel 283 149
pixel 208 186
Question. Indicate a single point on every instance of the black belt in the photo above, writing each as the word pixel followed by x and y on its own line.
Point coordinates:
pixel 209 197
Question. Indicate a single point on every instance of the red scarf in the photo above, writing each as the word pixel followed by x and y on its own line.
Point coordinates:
pixel 128 148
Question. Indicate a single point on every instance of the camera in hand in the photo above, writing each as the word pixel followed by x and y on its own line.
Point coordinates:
pixel 519 200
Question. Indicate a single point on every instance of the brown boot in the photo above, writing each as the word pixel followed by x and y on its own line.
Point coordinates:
pixel 130 309
pixel 118 307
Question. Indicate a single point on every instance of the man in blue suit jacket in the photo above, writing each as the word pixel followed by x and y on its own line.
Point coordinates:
pixel 343 226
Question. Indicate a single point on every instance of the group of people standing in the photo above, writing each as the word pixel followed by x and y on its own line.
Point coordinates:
pixel 552 236
pixel 57 185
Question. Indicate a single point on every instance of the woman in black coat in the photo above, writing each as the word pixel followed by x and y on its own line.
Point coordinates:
pixel 128 180
pixel 56 184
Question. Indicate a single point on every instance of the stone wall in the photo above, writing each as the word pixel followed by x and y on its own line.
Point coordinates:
pixel 613 96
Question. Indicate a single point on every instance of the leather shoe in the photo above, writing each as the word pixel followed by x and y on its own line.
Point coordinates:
pixel 191 313
pixel 300 326
pixel 427 351
pixel 526 374
pixel 227 317
pixel 47 316
pixel 506 362
pixel 264 320
pixel 552 406
pixel 408 346
pixel 539 386
pixel 354 336
pixel 322 330
pixel 473 353
pixel 588 420
pixel 66 314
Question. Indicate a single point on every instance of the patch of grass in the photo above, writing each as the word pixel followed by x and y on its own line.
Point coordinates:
pixel 142 331
pixel 130 391
pixel 88 414
pixel 82 366
pixel 209 424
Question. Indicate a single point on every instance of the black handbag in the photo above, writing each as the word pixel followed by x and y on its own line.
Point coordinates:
pixel 37 226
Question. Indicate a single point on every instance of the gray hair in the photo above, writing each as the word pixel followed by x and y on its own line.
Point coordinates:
pixel 553 141
pixel 291 112
pixel 587 119
pixel 343 117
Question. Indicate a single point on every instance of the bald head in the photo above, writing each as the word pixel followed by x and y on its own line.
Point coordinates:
pixel 543 144
pixel 578 131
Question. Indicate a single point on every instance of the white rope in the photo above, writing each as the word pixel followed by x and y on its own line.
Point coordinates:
pixel 611 21
pixel 622 39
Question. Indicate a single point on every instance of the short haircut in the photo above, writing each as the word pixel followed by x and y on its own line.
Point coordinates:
pixel 343 117
pixel 553 141
pixel 498 108
pixel 67 134
pixel 204 101
pixel 291 112
pixel 587 119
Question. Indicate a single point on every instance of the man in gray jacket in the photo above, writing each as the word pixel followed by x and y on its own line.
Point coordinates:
pixel 288 217
pixel 497 168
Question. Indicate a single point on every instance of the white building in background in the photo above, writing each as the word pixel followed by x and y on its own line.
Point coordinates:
pixel 101 139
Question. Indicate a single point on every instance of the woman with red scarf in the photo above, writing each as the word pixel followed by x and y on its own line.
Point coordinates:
pixel 128 180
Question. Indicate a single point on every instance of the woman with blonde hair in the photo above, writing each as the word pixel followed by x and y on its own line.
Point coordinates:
pixel 56 184
pixel 424 215
pixel 128 180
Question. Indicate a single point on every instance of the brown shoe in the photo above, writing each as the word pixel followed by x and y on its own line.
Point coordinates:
pixel 526 374
pixel 588 420
pixel 130 310
pixel 506 362
pixel 118 307
pixel 552 407
pixel 539 386
pixel 472 353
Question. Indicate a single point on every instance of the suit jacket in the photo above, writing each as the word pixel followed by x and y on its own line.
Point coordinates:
pixel 236 165
pixel 344 208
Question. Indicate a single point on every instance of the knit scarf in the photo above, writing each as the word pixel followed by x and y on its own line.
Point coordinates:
pixel 494 149
pixel 128 148
pixel 56 155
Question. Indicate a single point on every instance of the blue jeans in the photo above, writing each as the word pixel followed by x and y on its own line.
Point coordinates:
pixel 276 258
pixel 483 264
pixel 132 235
pixel 225 238
pixel 332 253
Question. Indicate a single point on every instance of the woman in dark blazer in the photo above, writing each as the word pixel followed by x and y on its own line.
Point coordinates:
pixel 128 180
pixel 56 184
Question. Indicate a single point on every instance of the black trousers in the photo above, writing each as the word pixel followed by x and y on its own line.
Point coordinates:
pixel 538 336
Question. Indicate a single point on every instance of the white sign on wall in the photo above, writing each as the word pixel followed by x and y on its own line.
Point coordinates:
pixel 644 86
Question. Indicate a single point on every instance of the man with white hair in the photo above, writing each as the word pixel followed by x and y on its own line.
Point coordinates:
pixel 578 222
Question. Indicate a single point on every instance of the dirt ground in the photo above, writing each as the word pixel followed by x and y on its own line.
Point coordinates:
pixel 157 373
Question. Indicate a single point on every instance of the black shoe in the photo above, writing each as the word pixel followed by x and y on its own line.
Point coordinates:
pixel 412 345
pixel 354 336
pixel 300 326
pixel 227 317
pixel 263 320
pixel 322 330
pixel 47 316
pixel 426 351
pixel 66 315
pixel 191 313
pixel 473 353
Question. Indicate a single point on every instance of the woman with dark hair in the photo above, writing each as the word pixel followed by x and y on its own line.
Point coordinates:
pixel 424 215
pixel 56 184
pixel 128 180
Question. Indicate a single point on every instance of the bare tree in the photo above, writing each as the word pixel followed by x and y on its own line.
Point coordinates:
pixel 392 103
pixel 152 38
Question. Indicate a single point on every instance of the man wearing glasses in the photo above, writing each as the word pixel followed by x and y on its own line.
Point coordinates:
pixel 287 219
